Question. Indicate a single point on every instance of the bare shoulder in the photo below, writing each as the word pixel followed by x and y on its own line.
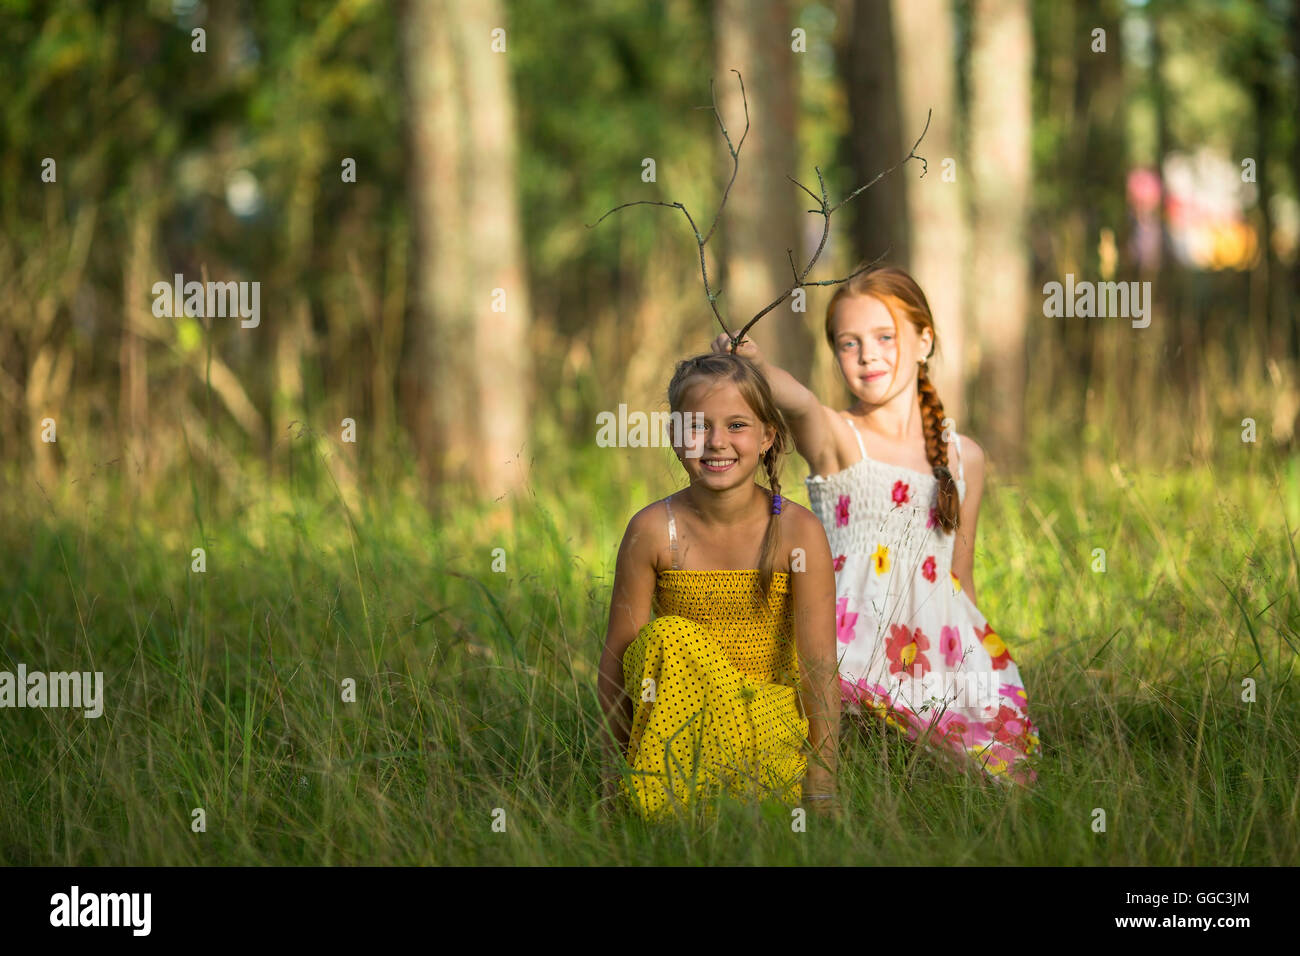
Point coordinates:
pixel 834 419
pixel 647 531
pixel 972 456
pixel 802 525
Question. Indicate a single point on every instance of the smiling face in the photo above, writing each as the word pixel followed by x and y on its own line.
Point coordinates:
pixel 877 356
pixel 726 435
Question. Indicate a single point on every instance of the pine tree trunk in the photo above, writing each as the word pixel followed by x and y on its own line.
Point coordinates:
pixel 869 72
pixel 468 372
pixel 500 310
pixel 924 37
pixel 1000 129
pixel 762 218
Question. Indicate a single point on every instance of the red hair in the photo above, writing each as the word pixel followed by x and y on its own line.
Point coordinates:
pixel 901 295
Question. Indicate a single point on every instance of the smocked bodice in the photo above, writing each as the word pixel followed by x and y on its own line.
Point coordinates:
pixel 757 638
pixel 873 504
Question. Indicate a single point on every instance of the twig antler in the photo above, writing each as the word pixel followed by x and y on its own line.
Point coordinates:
pixel 824 209
pixel 701 240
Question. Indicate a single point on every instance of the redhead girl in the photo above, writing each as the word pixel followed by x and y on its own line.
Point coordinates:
pixel 899 496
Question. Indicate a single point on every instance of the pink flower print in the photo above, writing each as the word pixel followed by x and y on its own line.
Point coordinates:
pixel 844 621
pixel 948 729
pixel 1017 695
pixel 927 569
pixel 1022 774
pixel 900 494
pixel 839 563
pixel 878 691
pixel 1008 726
pixel 863 693
pixel 950 646
pixel 931 521
pixel 959 732
pixel 900 718
pixel 975 734
pixel 848 692
pixel 842 511
pixel 906 651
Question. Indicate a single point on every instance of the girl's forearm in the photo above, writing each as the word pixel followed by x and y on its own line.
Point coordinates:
pixel 615 704
pixel 822 708
pixel 791 396
pixel 823 737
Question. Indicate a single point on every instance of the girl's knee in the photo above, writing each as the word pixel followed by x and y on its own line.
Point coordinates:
pixel 672 632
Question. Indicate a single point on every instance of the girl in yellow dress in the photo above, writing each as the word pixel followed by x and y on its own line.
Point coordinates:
pixel 731 688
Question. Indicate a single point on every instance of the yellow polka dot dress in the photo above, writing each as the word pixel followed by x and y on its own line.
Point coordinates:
pixel 713 679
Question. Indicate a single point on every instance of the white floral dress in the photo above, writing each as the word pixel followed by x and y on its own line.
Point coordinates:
pixel 914 649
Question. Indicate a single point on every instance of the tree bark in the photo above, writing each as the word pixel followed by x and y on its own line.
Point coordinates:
pixel 1290 294
pixel 762 218
pixel 432 78
pixel 466 381
pixel 869 71
pixel 500 309
pixel 1294 305
pixel 924 35
pixel 133 398
pixel 1000 130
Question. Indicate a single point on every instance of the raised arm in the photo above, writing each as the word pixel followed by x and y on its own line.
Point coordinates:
pixel 813 590
pixel 629 611
pixel 806 416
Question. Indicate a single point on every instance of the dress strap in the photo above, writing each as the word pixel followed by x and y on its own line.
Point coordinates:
pixel 672 534
pixel 961 468
pixel 858 435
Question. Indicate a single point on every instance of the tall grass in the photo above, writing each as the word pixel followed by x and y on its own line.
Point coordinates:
pixel 475 690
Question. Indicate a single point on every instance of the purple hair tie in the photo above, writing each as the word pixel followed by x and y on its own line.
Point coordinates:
pixel 776 504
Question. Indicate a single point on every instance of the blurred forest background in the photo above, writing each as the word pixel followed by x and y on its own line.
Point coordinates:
pixel 359 651
pixel 455 304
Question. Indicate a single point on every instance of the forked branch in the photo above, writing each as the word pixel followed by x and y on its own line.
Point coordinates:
pixel 824 208
pixel 735 168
